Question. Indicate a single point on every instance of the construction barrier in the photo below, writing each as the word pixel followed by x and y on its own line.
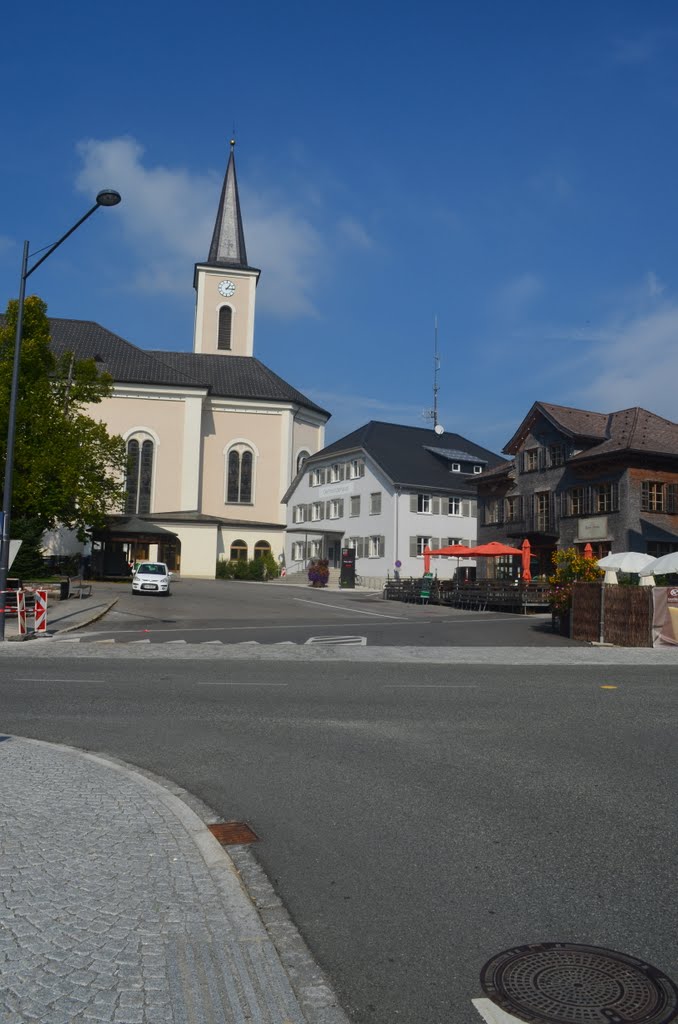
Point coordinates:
pixel 41 611
pixel 21 611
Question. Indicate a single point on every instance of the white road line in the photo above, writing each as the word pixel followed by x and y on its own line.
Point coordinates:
pixel 429 686
pixel 71 680
pixel 226 682
pixel 301 626
pixel 492 1013
pixel 349 611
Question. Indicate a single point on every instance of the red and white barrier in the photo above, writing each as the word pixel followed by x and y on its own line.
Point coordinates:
pixel 21 611
pixel 41 611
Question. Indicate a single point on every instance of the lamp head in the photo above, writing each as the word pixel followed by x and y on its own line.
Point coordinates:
pixel 108 197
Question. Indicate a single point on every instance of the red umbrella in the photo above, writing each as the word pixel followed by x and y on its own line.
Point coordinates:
pixel 588 551
pixel 427 559
pixel 527 555
pixel 491 550
pixel 453 550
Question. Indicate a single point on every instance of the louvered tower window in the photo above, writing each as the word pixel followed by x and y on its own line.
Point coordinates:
pixel 225 324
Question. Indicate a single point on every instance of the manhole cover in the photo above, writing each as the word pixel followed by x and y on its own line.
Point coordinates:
pixel 560 983
pixel 232 833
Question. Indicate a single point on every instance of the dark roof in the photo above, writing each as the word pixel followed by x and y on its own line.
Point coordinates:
pixel 235 377
pixel 177 518
pixel 628 430
pixel 224 376
pixel 404 454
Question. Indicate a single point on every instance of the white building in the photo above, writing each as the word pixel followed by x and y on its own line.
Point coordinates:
pixel 388 491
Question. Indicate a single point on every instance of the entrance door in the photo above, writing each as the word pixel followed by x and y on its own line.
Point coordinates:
pixel 334 553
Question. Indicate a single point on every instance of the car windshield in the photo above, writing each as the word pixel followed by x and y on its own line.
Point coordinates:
pixel 152 569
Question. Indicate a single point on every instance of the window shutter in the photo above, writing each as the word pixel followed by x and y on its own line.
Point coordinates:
pixel 541 458
pixel 589 506
pixel 614 497
pixel 466 508
pixel 381 545
pixel 435 506
pixel 413 502
pixel 342 470
pixel 435 543
pixel 341 507
pixel 413 547
pixel 474 507
pixel 361 547
pixel 672 498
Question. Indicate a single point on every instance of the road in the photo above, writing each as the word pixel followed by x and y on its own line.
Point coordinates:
pixel 415 819
pixel 204 611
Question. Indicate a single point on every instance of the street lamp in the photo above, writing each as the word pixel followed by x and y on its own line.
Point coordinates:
pixel 107 197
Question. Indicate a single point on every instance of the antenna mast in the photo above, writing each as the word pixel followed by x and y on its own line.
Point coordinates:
pixel 432 414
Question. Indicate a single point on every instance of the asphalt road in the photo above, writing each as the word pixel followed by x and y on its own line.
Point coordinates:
pixel 415 819
pixel 202 611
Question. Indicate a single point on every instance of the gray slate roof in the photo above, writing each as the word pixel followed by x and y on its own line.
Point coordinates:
pixel 223 376
pixel 404 454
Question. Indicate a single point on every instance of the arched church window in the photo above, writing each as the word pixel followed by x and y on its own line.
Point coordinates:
pixel 301 459
pixel 261 548
pixel 238 551
pixel 239 475
pixel 139 480
pixel 225 324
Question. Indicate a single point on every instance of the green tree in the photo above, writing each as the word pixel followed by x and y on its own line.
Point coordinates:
pixel 68 470
pixel 571 567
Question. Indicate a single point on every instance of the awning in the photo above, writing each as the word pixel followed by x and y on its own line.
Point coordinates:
pixel 134 529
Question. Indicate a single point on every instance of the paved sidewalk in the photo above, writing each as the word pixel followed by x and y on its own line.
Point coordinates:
pixel 117 905
pixel 74 613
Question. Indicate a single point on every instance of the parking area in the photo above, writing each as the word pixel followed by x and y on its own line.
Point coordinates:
pixel 216 611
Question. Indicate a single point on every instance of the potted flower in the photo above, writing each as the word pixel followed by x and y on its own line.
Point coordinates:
pixel 570 568
pixel 319 572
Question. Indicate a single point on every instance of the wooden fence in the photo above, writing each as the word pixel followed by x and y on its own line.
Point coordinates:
pixel 484 595
pixel 615 614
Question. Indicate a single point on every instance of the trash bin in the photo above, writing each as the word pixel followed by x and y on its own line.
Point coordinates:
pixel 65 590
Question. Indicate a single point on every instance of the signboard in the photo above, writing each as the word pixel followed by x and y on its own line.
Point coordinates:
pixel 426 581
pixel 593 529
pixel 335 490
pixel 347 569
pixel 665 617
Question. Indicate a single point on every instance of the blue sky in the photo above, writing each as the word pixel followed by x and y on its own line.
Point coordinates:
pixel 508 167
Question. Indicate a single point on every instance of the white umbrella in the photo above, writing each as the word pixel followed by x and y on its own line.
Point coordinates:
pixel 627 561
pixel 661 566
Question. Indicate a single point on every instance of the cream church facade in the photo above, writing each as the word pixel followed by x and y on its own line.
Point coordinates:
pixel 214 438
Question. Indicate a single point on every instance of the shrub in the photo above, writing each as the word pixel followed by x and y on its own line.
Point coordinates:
pixel 265 568
pixel 571 567
pixel 319 572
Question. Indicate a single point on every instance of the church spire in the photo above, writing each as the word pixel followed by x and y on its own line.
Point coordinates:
pixel 228 240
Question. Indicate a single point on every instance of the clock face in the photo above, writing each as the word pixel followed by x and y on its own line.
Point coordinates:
pixel 226 288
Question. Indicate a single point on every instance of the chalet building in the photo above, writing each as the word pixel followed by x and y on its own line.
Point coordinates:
pixel 579 477
pixel 388 491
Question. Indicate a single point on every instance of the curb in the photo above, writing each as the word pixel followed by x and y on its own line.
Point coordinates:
pixel 88 622
pixel 316 998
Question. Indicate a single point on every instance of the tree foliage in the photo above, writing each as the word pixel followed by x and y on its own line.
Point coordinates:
pixel 571 567
pixel 68 470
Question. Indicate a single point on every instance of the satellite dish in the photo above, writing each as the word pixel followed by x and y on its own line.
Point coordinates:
pixel 439 429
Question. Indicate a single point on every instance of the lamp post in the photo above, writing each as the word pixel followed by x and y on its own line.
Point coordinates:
pixel 107 197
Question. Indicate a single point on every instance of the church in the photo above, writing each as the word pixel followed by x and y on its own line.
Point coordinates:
pixel 214 438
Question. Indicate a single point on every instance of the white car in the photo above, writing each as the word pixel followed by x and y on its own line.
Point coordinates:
pixel 151 578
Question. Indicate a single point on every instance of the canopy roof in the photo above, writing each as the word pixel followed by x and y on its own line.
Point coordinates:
pixel 493 549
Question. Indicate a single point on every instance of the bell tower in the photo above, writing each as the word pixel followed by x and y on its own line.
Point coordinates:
pixel 225 284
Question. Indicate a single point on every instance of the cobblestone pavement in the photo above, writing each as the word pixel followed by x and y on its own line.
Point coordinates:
pixel 117 905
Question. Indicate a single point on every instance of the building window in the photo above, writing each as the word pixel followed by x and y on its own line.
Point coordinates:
pixel 512 509
pixel 493 511
pixel 454 540
pixel 355 505
pixel 301 459
pixel 375 503
pixel 140 453
pixel 556 455
pixel 423 542
pixel 356 469
pixel 652 496
pixel 576 501
pixel 531 460
pixel 261 548
pixel 316 548
pixel 239 475
pixel 376 547
pixel 454 506
pixel 316 477
pixel 477 469
pixel 299 513
pixel 543 510
pixel 298 551
pixel 238 551
pixel 316 511
pixel 455 467
pixel 225 324
pixel 657 548
pixel 336 473
pixel 423 503
pixel 336 508
pixel 603 498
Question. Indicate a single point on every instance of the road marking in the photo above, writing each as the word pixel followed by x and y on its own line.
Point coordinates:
pixel 349 611
pixel 608 687
pixel 492 1013
pixel 338 641
pixel 71 680
pixel 429 686
pixel 227 682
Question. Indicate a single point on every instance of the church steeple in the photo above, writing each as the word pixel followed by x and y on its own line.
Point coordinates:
pixel 228 239
pixel 225 284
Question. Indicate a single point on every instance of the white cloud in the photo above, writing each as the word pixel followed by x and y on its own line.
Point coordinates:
pixel 637 364
pixel 355 233
pixel 168 215
pixel 654 285
pixel 635 51
pixel 6 244
pixel 517 294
